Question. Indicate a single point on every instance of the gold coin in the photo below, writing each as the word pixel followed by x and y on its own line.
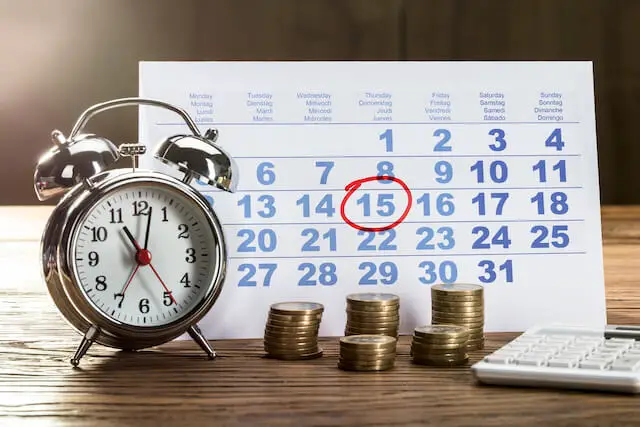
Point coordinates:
pixel 458 305
pixel 295 318
pixel 387 332
pixel 297 307
pixel 367 354
pixel 366 341
pixel 293 324
pixel 471 324
pixel 372 315
pixel 436 347
pixel 457 288
pixel 372 324
pixel 381 310
pixel 373 298
pixel 306 356
pixel 290 344
pixel 444 331
pixel 294 338
pixel 457 312
pixel 454 297
pixel 297 329
pixel 437 362
pixel 380 366
pixel 379 328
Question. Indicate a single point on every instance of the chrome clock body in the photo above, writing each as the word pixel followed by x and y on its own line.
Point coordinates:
pixel 78 168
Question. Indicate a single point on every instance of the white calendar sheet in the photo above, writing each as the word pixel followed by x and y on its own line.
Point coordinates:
pixel 489 176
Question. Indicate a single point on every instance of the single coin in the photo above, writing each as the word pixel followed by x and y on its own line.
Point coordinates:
pixel 436 362
pixel 381 325
pixel 456 312
pixel 288 352
pixel 290 340
pixel 293 324
pixel 367 341
pixel 373 366
pixel 470 324
pixel 440 341
pixel 458 305
pixel 444 330
pixel 381 328
pixel 375 297
pixel 297 307
pixel 457 288
pixel 373 316
pixel 293 345
pixel 297 329
pixel 455 317
pixel 307 356
pixel 381 310
pixel 295 318
pixel 361 331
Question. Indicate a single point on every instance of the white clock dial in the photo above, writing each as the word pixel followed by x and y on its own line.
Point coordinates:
pixel 145 255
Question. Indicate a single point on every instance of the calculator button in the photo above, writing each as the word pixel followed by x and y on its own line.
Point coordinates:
pixel 625 365
pixel 594 363
pixel 508 353
pixel 499 359
pixel 521 346
pixel 634 352
pixel 529 339
pixel 589 340
pixel 532 361
pixel 605 352
pixel 617 344
pixel 563 363
pixel 623 340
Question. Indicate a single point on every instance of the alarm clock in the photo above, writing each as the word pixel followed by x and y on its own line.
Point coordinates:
pixel 133 258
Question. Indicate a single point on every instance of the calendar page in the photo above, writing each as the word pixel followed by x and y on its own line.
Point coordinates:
pixel 393 177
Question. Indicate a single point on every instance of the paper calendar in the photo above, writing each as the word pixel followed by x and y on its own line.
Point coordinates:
pixel 394 176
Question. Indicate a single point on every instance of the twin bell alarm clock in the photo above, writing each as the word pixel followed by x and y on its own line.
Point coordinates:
pixel 133 258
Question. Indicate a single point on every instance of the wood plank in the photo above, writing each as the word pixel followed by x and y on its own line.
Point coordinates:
pixel 174 384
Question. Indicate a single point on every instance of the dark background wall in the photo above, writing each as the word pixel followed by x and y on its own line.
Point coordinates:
pixel 57 57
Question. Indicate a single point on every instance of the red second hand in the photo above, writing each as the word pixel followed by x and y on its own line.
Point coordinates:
pixel 163 285
pixel 135 270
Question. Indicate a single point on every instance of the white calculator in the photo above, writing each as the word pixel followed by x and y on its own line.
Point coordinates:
pixel 575 357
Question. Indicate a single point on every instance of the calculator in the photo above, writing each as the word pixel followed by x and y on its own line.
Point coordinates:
pixel 572 357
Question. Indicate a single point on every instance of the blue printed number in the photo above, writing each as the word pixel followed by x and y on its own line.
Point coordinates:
pixel 268 209
pixel 446 271
pixel 490 273
pixel 385 204
pixel 385 169
pixel 267 240
pixel 324 206
pixel 326 276
pixel 500 143
pixel 558 204
pixel 313 237
pixel 209 199
pixel 388 273
pixel 498 171
pixel 500 238
pixel 559 236
pixel 448 242
pixel 480 201
pixel 555 140
pixel 251 271
pixel 387 137
pixel 444 170
pixel 327 166
pixel 444 204
pixel 445 137
pixel 265 173
pixel 560 167
pixel 385 245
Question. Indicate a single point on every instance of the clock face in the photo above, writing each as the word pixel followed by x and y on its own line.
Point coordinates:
pixel 145 255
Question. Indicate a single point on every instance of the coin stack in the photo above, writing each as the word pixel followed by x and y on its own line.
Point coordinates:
pixel 460 304
pixel 373 314
pixel 367 353
pixel 440 345
pixel 291 332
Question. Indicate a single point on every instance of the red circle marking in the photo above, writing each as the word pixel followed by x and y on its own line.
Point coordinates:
pixel 143 257
pixel 353 186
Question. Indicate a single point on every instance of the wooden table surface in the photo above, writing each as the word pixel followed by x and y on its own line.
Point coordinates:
pixel 175 385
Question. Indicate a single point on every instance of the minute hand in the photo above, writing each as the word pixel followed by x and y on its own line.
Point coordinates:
pixel 146 236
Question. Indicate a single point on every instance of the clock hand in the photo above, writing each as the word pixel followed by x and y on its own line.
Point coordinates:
pixel 146 237
pixel 135 270
pixel 131 238
pixel 163 285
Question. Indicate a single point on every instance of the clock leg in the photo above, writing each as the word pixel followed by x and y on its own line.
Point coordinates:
pixel 86 342
pixel 196 334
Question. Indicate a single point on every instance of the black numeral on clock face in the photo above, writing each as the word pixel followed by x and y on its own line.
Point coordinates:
pixel 94 259
pixel 143 305
pixel 191 255
pixel 116 216
pixel 101 283
pixel 185 280
pixel 140 207
pixel 98 234
pixel 184 231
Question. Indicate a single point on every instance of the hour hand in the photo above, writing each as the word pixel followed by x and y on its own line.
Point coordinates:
pixel 131 238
